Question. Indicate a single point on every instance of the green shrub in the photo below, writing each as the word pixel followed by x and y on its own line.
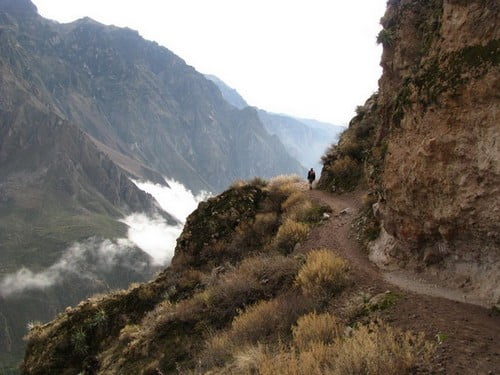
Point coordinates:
pixel 386 38
pixel 79 341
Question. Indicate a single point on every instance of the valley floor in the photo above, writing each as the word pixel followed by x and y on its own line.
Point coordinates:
pixel 467 334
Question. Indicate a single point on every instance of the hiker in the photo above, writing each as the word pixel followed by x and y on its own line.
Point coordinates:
pixel 311 176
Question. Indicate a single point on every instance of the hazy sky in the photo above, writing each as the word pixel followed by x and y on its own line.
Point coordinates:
pixel 314 58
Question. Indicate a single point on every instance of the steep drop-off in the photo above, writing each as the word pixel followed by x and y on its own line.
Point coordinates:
pixel 427 143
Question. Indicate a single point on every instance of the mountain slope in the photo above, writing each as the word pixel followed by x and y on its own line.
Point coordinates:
pixel 82 107
pixel 57 188
pixel 306 140
pixel 140 100
pixel 228 93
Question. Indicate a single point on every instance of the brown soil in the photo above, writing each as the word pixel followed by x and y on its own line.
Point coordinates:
pixel 471 333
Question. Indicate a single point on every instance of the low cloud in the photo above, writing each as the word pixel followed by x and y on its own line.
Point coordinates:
pixel 176 199
pixel 152 234
pixel 92 258
pixel 86 260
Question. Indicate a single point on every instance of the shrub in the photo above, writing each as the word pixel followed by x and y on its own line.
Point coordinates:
pixel 284 183
pixel 258 232
pixel 371 350
pixel 289 234
pixel 237 184
pixel 317 360
pixel 316 328
pixel 268 319
pixel 351 146
pixel 385 37
pixel 100 319
pixel 294 199
pixel 33 324
pixel 346 173
pixel 323 275
pixel 381 349
pixel 256 278
pixel 218 350
pixel 246 360
pixel 128 333
pixel 79 341
pixel 265 321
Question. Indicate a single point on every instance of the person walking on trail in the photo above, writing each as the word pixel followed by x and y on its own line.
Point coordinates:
pixel 311 176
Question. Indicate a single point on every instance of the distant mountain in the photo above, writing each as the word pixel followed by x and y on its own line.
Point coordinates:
pixel 305 139
pixel 228 93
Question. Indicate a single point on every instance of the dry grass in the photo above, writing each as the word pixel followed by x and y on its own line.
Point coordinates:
pixel 323 275
pixel 265 322
pixel 372 350
pixel 247 360
pixel 294 199
pixel 258 232
pixel 218 350
pixel 289 234
pixel 286 184
pixel 268 320
pixel 381 349
pixel 316 328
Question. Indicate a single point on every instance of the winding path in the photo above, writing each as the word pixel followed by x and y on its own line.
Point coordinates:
pixel 472 332
pixel 338 230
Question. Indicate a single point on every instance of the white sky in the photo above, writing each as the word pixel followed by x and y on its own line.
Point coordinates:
pixel 308 58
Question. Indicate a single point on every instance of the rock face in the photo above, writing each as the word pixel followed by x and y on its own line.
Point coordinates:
pixel 433 154
pixel 138 100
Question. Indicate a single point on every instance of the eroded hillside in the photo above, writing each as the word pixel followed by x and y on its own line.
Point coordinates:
pixel 427 143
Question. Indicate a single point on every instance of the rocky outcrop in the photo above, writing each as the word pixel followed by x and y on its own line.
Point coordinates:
pixel 431 148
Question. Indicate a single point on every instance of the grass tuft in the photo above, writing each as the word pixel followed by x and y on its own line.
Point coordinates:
pixel 323 275
pixel 289 234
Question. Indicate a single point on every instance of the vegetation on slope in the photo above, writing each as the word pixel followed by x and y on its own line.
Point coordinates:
pixel 238 295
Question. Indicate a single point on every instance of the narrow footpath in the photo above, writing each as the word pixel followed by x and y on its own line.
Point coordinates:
pixel 468 334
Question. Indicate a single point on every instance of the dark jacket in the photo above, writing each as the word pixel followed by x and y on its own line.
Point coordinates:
pixel 311 176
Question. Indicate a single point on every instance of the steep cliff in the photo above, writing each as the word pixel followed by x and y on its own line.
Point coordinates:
pixel 138 99
pixel 427 143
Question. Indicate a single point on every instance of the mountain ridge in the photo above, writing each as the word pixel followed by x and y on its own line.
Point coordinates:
pixel 305 139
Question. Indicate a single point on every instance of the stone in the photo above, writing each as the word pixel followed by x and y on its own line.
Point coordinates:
pixel 345 211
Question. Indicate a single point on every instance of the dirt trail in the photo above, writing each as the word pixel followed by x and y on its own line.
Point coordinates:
pixel 350 249
pixel 472 332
